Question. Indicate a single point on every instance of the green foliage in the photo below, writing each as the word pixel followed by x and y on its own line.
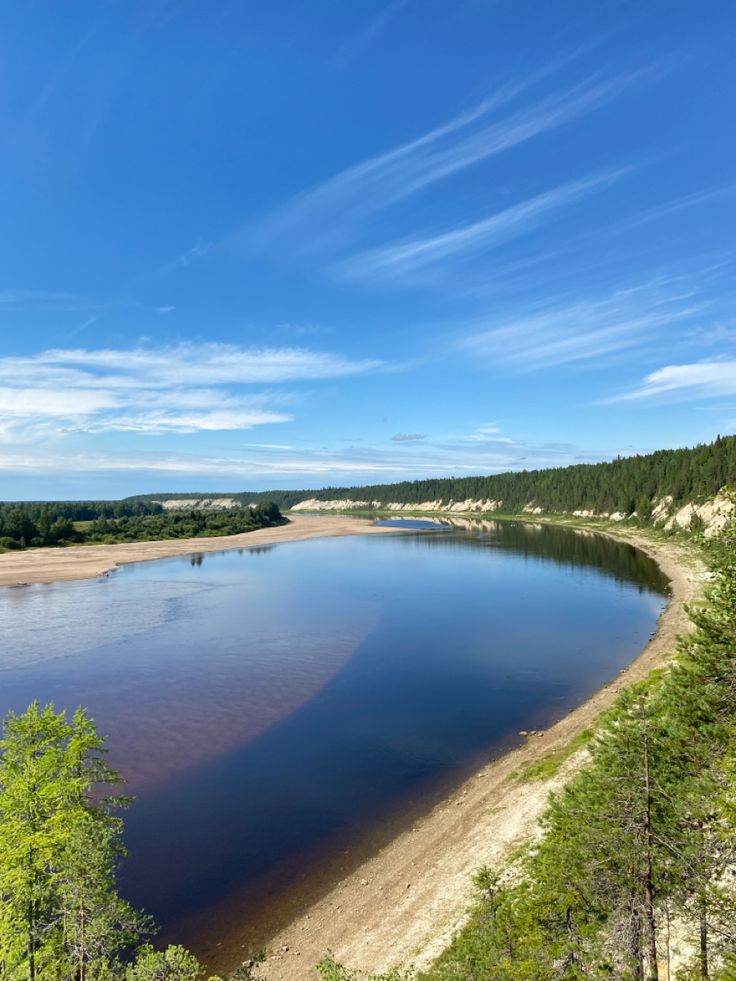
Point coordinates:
pixel 644 510
pixel 330 970
pixel 173 964
pixel 61 918
pixel 184 524
pixel 547 766
pixel 60 915
pixel 31 525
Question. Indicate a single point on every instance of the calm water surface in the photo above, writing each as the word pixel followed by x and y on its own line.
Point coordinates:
pixel 272 706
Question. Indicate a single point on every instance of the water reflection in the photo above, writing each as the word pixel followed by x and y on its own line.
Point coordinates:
pixel 415 524
pixel 576 547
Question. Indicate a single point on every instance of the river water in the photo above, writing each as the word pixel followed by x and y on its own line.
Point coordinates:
pixel 274 708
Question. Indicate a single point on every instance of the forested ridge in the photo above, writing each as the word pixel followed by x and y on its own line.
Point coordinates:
pixel 69 523
pixel 625 485
pixel 620 485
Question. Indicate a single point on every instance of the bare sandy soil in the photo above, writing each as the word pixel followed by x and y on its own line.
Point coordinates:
pixel 41 565
pixel 403 906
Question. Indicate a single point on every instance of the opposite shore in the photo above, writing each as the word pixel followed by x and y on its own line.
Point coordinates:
pixel 403 905
pixel 47 565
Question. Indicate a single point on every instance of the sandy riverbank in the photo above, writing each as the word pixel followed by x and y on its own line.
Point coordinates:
pixel 43 565
pixel 403 905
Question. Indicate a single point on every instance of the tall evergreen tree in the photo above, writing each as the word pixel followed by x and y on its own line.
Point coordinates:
pixel 60 915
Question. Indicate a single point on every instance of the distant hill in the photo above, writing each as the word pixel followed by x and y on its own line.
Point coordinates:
pixel 655 484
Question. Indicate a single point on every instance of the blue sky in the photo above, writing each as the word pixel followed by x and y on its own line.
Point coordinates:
pixel 252 245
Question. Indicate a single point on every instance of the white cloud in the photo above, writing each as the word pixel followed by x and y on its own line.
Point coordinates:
pixel 482 450
pixel 184 259
pixel 581 331
pixel 197 364
pixel 320 215
pixel 404 258
pixel 703 379
pixel 353 47
pixel 674 205
pixel 487 433
pixel 21 299
pixel 22 403
pixel 158 423
pixel 184 388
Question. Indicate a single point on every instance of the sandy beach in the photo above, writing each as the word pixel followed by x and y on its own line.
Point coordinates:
pixel 43 565
pixel 403 906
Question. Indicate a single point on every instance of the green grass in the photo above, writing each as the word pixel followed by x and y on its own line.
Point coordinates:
pixel 548 766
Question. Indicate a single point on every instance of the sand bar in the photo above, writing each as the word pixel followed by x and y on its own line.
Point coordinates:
pixel 43 565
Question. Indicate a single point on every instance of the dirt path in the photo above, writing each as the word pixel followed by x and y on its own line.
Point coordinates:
pixel 403 905
pixel 39 565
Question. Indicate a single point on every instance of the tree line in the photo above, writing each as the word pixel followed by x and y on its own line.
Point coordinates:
pixel 624 485
pixel 639 850
pixel 24 524
pixel 30 526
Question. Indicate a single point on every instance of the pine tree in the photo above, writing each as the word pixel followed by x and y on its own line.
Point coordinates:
pixel 60 915
pixel 97 925
pixel 173 964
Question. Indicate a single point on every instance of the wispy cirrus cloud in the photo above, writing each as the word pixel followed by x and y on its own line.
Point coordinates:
pixel 45 301
pixel 683 382
pixel 674 205
pixel 24 299
pixel 183 364
pixel 487 433
pixel 329 212
pixel 403 259
pixel 184 388
pixel 587 330
pixel 356 45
